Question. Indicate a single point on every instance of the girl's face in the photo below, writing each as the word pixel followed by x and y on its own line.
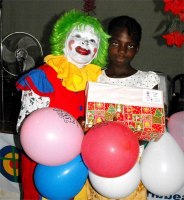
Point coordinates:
pixel 81 46
pixel 122 48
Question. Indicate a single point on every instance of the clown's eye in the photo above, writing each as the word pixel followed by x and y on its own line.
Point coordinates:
pixel 93 41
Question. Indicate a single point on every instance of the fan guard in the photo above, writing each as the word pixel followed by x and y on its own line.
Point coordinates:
pixel 20 53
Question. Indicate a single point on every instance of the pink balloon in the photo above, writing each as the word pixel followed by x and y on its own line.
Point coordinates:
pixel 51 136
pixel 176 127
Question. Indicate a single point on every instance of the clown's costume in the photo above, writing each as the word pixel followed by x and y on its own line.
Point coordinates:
pixel 79 50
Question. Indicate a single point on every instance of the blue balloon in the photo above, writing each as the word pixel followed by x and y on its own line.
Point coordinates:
pixel 61 182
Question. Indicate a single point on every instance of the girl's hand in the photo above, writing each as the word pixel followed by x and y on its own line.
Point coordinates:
pixel 81 121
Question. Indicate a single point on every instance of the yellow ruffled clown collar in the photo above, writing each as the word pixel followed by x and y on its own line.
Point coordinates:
pixel 74 78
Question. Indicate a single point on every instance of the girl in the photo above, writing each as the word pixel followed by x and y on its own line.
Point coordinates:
pixel 124 44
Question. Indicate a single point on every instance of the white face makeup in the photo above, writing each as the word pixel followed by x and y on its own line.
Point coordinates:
pixel 81 46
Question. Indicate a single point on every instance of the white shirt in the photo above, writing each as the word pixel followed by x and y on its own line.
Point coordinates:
pixel 140 79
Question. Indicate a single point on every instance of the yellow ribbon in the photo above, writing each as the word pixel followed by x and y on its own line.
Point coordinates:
pixel 74 78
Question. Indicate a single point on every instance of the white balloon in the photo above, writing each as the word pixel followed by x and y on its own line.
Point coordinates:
pixel 117 187
pixel 162 166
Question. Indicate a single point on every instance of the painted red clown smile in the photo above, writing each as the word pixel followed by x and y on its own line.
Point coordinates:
pixel 82 51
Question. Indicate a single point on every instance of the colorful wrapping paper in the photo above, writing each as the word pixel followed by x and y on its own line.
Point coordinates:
pixel 142 110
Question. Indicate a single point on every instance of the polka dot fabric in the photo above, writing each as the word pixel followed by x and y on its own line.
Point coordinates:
pixel 140 79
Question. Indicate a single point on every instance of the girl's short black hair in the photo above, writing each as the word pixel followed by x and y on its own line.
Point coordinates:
pixel 133 27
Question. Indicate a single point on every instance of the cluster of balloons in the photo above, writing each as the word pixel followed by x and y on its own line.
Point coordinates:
pixel 108 154
pixel 162 162
pixel 110 150
pixel 53 138
pixel 162 166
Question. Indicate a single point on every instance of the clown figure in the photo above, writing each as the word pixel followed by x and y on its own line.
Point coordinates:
pixel 79 47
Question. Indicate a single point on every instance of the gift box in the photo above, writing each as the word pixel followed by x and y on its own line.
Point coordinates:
pixel 142 110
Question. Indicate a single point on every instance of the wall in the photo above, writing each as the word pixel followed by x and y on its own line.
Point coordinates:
pixel 37 16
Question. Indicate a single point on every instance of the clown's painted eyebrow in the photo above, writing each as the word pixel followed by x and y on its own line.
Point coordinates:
pixel 77 35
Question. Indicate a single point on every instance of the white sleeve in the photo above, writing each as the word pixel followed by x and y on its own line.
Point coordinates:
pixel 30 102
pixel 152 79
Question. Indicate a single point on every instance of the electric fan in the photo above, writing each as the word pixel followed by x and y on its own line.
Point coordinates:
pixel 20 53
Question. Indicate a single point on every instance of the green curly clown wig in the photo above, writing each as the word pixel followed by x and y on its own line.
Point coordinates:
pixel 65 25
